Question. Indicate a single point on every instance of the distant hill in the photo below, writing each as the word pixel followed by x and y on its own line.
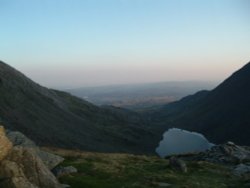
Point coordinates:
pixel 221 114
pixel 141 97
pixel 55 118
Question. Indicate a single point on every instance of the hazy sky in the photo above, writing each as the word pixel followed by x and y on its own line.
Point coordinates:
pixel 73 43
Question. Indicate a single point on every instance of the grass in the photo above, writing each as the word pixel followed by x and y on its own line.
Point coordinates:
pixel 102 170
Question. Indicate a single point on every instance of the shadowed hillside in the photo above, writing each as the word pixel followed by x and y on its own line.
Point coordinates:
pixel 56 118
pixel 221 114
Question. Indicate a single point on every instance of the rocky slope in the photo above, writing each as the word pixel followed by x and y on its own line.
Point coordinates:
pixel 55 118
pixel 221 114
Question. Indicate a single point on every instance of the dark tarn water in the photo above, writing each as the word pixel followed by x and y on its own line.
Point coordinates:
pixel 178 141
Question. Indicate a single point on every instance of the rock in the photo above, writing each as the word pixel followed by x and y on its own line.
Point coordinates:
pixel 5 144
pixel 19 139
pixel 65 186
pixel 163 184
pixel 13 176
pixel 62 171
pixel 22 168
pixel 49 159
pixel 178 164
pixel 228 153
pixel 241 170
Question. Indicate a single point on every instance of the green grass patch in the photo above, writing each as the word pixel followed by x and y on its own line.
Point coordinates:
pixel 130 171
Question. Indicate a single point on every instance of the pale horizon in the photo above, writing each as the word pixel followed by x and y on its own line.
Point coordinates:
pixel 62 44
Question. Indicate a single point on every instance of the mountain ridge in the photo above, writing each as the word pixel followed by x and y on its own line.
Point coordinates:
pixel 56 118
pixel 221 114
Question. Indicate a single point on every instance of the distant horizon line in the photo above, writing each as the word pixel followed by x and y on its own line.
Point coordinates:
pixel 214 82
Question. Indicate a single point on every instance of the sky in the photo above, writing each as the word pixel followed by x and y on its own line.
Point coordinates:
pixel 77 43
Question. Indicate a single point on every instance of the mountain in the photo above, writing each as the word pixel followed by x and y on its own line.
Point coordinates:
pixel 56 118
pixel 221 114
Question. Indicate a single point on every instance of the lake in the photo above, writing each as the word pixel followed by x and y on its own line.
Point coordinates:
pixel 178 141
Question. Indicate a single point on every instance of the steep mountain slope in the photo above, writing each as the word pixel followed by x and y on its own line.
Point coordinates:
pixel 221 114
pixel 56 118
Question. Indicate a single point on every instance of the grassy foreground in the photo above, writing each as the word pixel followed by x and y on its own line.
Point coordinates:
pixel 98 170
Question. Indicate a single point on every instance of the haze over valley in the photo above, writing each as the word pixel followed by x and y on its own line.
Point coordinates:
pixel 141 97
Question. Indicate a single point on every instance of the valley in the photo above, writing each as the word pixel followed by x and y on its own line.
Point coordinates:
pixel 107 146
pixel 141 97
pixel 75 123
pixel 124 94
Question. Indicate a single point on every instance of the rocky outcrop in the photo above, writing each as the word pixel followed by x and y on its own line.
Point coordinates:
pixel 5 144
pixel 21 166
pixel 19 139
pixel 228 153
pixel 242 170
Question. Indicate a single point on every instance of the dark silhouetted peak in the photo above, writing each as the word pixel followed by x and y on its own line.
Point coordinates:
pixel 239 81
pixel 222 114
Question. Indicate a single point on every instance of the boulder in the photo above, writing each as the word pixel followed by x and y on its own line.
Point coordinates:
pixel 65 186
pixel 242 170
pixel 62 171
pixel 19 139
pixel 178 164
pixel 49 159
pixel 22 168
pixel 5 144
pixel 12 176
pixel 163 184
